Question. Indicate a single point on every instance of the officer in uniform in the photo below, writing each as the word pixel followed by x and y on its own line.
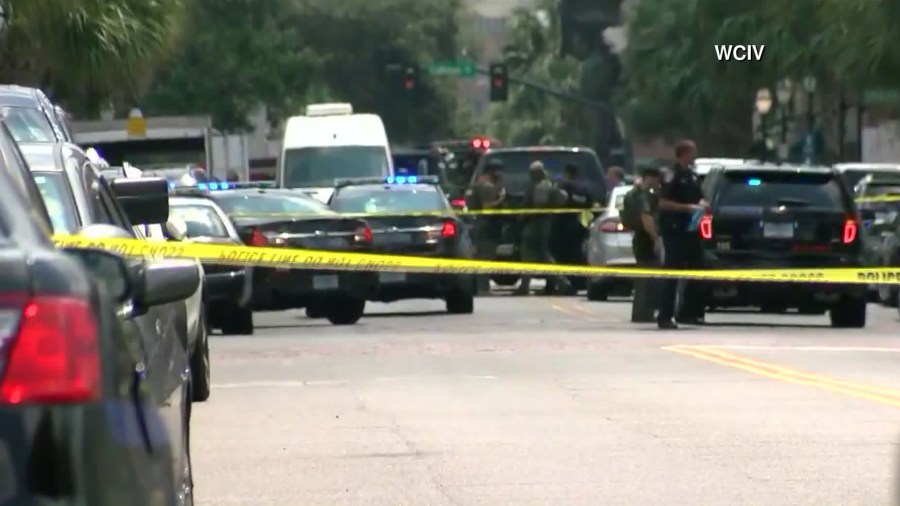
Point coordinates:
pixel 680 198
pixel 535 245
pixel 641 204
pixel 488 193
pixel 568 232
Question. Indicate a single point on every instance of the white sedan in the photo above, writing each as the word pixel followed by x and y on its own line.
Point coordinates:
pixel 609 245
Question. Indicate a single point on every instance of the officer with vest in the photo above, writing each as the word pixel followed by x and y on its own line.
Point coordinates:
pixel 639 215
pixel 542 193
pixel 680 200
pixel 487 193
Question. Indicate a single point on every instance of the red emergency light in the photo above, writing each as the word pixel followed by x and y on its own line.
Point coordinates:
pixel 479 143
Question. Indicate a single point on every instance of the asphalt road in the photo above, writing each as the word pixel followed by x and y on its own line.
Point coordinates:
pixel 550 401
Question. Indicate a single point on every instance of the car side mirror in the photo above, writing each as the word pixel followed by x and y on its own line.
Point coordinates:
pixel 108 269
pixel 167 281
pixel 176 229
pixel 144 200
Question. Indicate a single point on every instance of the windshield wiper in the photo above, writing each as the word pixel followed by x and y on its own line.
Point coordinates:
pixel 793 203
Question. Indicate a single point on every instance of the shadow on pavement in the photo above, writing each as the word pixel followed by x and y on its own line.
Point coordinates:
pixel 406 313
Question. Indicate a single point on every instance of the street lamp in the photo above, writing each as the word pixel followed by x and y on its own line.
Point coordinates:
pixel 784 91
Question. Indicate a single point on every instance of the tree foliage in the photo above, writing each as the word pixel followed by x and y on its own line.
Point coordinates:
pixel 87 52
pixel 284 53
pixel 675 83
pixel 532 52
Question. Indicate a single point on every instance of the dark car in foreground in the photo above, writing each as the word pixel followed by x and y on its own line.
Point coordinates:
pixel 80 404
pixel 291 219
pixel 784 217
pixel 229 288
pixel 411 216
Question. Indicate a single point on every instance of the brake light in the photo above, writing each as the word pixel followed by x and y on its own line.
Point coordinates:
pixel 706 227
pixel 363 234
pixel 449 230
pixel 458 202
pixel 258 238
pixel 612 226
pixel 851 228
pixel 55 356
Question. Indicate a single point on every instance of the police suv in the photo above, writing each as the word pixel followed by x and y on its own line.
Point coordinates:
pixel 767 216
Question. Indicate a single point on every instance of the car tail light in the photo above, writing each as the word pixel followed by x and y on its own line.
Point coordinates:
pixel 851 228
pixel 706 227
pixel 458 202
pixel 363 234
pixel 258 238
pixel 612 226
pixel 448 230
pixel 55 355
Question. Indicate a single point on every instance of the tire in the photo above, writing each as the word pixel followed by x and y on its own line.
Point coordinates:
pixel 505 279
pixel 460 302
pixel 346 311
pixel 315 312
pixel 597 292
pixel 239 323
pixel 200 366
pixel 849 313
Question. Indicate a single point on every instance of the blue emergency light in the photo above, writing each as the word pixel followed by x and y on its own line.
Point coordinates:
pixel 219 186
pixel 754 182
pixel 392 180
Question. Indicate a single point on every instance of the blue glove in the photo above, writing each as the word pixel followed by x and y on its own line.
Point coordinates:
pixel 695 220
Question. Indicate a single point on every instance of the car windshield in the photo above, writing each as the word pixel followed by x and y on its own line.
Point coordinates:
pixel 516 164
pixel 201 221
pixel 179 174
pixel 58 200
pixel 377 200
pixel 774 188
pixel 28 125
pixel 262 204
pixel 320 166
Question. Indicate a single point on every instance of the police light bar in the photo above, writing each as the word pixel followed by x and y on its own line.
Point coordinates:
pixel 399 179
pixel 218 186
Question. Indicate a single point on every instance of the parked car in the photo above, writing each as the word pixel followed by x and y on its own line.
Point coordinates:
pixel 83 401
pixel 81 201
pixel 31 116
pixel 609 245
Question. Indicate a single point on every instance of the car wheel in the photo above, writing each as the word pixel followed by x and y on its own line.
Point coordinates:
pixel 200 366
pixel 315 312
pixel 849 313
pixel 597 291
pixel 239 322
pixel 505 279
pixel 460 301
pixel 346 311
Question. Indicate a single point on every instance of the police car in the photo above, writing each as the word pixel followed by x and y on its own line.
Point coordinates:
pixel 275 218
pixel 410 215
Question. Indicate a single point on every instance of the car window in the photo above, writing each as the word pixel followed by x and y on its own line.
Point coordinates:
pixel 516 163
pixel 17 168
pixel 201 221
pixel 28 125
pixel 379 199
pixel 771 188
pixel 262 204
pixel 104 208
pixel 58 199
pixel 320 166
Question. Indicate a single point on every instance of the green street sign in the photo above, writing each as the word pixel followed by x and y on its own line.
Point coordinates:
pixel 881 96
pixel 460 68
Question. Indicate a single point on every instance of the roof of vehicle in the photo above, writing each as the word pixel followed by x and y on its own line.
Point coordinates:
pixel 337 130
pixel 192 200
pixel 397 187
pixel 20 96
pixel 780 168
pixel 539 149
pixel 867 166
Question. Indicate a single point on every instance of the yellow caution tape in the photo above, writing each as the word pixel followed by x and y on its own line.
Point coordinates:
pixel 882 198
pixel 331 260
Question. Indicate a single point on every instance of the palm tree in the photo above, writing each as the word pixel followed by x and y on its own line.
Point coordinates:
pixel 89 52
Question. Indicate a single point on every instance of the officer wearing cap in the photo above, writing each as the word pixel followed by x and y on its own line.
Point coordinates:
pixel 536 230
pixel 680 199
pixel 641 204
pixel 487 193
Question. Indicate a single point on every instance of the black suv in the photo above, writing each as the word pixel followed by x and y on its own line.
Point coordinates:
pixel 784 217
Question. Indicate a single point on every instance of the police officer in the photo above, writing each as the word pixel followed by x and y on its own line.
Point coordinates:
pixel 535 239
pixel 569 233
pixel 488 193
pixel 641 204
pixel 680 198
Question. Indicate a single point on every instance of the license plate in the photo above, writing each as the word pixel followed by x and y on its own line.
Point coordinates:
pixel 325 282
pixel 394 238
pixel 392 277
pixel 778 230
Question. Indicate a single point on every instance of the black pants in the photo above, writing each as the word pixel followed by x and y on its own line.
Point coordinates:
pixel 683 250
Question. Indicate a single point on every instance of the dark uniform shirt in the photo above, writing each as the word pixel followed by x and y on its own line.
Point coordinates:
pixel 642 242
pixel 683 187
pixel 579 194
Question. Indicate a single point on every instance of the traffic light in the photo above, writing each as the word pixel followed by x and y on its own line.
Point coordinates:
pixel 410 79
pixel 499 84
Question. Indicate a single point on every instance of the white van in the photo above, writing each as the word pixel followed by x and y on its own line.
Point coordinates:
pixel 330 142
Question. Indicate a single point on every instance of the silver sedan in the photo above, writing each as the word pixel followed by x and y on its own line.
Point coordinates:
pixel 609 244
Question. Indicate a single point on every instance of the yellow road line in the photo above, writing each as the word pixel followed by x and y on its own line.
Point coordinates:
pixel 872 393
pixel 563 309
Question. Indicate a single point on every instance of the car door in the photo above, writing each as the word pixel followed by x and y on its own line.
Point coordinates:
pixel 167 361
